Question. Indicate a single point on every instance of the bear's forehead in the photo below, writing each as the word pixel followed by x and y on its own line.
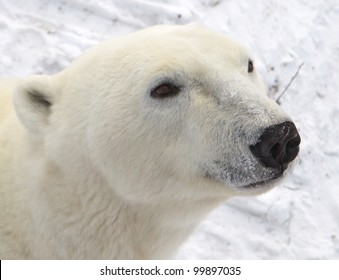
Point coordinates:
pixel 156 51
pixel 167 46
pixel 182 42
pixel 189 38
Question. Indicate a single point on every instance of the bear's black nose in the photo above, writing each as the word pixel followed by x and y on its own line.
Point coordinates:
pixel 278 145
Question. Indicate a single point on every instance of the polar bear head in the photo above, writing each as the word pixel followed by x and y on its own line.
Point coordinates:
pixel 165 112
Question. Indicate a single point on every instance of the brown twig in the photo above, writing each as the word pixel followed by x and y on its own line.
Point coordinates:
pixel 289 83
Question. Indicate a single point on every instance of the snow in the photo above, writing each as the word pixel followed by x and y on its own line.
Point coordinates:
pixel 300 218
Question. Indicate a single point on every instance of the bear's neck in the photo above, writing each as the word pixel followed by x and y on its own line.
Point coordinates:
pixel 91 224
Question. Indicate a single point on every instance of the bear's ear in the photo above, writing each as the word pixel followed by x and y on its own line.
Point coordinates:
pixel 33 101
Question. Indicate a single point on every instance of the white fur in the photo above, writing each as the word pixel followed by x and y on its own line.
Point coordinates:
pixel 106 171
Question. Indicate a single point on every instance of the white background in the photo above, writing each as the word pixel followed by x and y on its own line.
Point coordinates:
pixel 91 270
pixel 300 218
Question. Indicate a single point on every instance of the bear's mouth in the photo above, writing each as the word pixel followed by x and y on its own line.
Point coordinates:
pixel 267 181
pixel 263 183
pixel 259 184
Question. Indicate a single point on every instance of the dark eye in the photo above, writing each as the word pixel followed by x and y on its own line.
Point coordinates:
pixel 164 90
pixel 250 67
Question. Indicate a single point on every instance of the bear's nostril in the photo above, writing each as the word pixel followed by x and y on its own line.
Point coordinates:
pixel 292 144
pixel 277 146
pixel 276 150
pixel 292 148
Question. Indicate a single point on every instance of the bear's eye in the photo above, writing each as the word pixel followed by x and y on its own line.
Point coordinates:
pixel 164 90
pixel 250 66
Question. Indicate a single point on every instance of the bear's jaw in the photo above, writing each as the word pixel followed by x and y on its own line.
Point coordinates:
pixel 248 182
pixel 259 187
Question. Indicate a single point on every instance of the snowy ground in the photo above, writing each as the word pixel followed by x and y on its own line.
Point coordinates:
pixel 300 218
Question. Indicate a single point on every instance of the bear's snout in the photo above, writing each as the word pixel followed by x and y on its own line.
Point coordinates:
pixel 277 146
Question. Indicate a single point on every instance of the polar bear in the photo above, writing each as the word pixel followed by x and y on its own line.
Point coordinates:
pixel 121 155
